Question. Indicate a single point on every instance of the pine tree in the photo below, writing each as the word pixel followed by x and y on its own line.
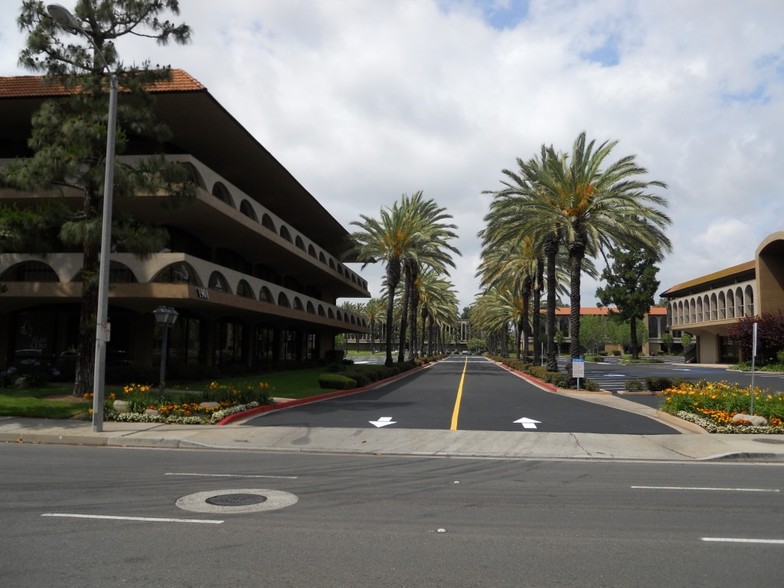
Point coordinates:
pixel 631 285
pixel 68 137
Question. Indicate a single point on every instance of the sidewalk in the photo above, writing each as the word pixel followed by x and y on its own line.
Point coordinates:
pixel 688 446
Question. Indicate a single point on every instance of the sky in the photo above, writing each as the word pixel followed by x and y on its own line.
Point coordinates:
pixel 366 100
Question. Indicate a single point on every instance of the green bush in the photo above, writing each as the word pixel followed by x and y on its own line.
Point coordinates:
pixel 634 385
pixel 336 382
pixel 658 383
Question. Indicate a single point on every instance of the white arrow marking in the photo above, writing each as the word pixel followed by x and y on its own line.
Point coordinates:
pixel 528 423
pixel 383 422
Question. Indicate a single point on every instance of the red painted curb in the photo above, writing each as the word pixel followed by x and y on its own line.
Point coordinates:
pixel 326 396
pixel 529 378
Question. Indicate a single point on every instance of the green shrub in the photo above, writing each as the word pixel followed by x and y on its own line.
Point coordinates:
pixel 657 383
pixel 336 382
pixel 634 385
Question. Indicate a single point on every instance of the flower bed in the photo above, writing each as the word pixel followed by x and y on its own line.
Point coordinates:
pixel 139 403
pixel 713 405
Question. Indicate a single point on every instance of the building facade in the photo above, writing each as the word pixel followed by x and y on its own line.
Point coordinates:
pixel 254 266
pixel 706 307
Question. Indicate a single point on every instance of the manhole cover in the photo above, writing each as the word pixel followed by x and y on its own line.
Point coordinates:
pixel 774 441
pixel 236 499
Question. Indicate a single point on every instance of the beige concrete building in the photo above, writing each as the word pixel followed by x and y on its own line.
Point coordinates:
pixel 707 306
pixel 254 266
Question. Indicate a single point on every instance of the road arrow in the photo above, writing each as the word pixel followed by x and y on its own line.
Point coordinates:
pixel 528 423
pixel 383 422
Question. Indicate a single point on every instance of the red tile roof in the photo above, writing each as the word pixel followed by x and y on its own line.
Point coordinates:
pixel 39 86
pixel 602 311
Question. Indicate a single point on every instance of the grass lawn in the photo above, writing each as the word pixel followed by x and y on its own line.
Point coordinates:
pixel 55 401
pixel 52 402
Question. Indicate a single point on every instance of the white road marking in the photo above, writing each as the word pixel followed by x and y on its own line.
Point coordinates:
pixel 527 423
pixel 229 475
pixel 142 519
pixel 705 489
pixel 740 540
pixel 383 422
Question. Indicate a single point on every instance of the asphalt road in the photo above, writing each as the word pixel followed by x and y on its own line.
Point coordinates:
pixel 464 393
pixel 94 517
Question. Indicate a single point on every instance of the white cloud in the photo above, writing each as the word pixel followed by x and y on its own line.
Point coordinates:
pixel 364 100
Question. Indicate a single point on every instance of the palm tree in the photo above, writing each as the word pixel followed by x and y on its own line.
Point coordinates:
pixel 512 266
pixel 433 251
pixel 409 234
pixel 594 209
pixel 511 219
pixel 438 303
pixel 374 309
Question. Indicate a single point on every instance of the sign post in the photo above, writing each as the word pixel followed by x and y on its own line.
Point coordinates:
pixel 753 356
pixel 578 369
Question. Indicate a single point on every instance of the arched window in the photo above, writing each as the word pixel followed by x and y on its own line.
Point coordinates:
pixel 177 273
pixel 284 232
pixel 310 308
pixel 730 304
pixel 311 251
pixel 244 289
pixel 218 282
pixel 30 271
pixel 699 309
pixel 246 208
pixel 322 257
pixel 283 300
pixel 266 222
pixel 722 306
pixel 738 302
pixel 299 243
pixel 192 173
pixel 221 192
pixel 298 304
pixel 749 295
pixel 265 295
pixel 331 314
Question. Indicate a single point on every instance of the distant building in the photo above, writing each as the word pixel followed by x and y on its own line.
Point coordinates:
pixel 706 307
pixel 655 320
pixel 254 265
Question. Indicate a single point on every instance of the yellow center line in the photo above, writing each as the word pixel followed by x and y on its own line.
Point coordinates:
pixel 456 411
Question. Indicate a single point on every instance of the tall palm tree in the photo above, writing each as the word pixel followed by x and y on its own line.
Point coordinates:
pixel 596 207
pixel 512 266
pixel 433 250
pixel 412 231
pixel 511 219
pixel 438 304
pixel 374 311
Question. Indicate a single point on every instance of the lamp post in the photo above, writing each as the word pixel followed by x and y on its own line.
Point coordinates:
pixel 68 22
pixel 165 316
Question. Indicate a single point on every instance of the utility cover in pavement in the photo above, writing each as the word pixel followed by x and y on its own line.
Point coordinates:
pixel 234 500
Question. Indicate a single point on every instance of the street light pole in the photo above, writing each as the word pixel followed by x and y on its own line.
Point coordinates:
pixel 69 23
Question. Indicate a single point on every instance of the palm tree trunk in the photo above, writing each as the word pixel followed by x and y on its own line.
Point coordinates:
pixel 413 312
pixel 393 277
pixel 576 253
pixel 551 251
pixel 537 312
pixel 404 316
